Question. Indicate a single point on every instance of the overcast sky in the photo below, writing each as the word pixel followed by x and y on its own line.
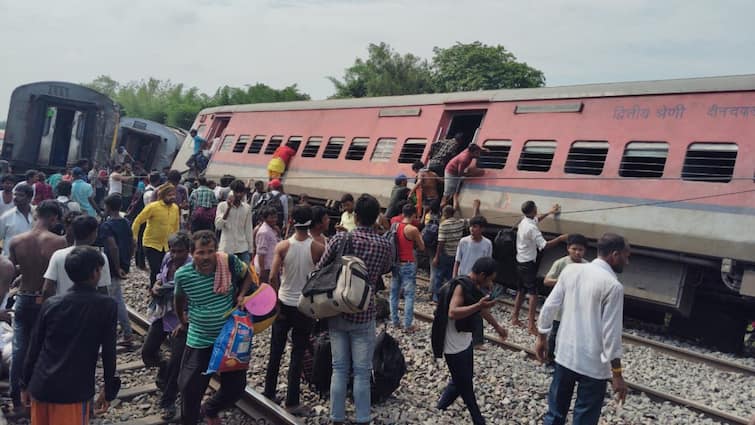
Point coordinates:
pixel 210 43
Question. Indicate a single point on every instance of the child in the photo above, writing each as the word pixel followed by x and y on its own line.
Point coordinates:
pixel 576 245
pixel 59 372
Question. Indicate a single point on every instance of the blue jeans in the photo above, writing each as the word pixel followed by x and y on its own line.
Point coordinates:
pixel 404 276
pixel 590 394
pixel 351 344
pixel 441 274
pixel 25 317
pixel 115 291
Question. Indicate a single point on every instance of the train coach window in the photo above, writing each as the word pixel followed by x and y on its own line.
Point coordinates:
pixel 644 159
pixel 412 151
pixel 710 162
pixel 256 145
pixel 311 148
pixel 383 150
pixel 273 144
pixel 537 155
pixel 357 149
pixel 241 143
pixel 586 157
pixel 294 142
pixel 496 155
pixel 227 143
pixel 333 148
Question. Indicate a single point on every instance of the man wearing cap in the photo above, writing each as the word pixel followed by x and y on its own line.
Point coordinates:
pixel 297 257
pixel 399 193
pixel 83 193
pixel 161 218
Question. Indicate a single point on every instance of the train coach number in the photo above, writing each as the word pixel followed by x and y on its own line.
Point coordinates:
pixel 57 91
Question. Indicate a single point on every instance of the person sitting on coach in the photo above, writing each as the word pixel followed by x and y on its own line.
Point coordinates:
pixel 458 168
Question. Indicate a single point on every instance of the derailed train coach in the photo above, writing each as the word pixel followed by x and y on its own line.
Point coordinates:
pixel 668 164
pixel 54 124
pixel 153 144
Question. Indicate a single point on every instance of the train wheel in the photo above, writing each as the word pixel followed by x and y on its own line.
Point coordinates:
pixel 713 323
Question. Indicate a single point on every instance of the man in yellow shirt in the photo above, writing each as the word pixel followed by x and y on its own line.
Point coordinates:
pixel 162 219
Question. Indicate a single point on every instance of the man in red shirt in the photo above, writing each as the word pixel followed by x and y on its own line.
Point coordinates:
pixel 458 168
pixel 281 157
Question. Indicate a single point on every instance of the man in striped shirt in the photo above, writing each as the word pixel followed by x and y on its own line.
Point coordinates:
pixel 450 232
pixel 208 305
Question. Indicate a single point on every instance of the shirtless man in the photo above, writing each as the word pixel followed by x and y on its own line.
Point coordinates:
pixel 31 252
pixel 429 183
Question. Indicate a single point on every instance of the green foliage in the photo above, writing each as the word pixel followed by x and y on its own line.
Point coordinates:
pixel 476 66
pixel 461 67
pixel 384 73
pixel 176 105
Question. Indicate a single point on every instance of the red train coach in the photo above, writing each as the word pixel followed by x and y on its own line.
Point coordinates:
pixel 668 164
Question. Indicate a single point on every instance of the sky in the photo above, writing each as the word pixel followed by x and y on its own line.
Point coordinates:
pixel 211 43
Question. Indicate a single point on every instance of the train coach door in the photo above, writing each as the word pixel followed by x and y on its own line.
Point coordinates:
pixel 466 122
pixel 219 123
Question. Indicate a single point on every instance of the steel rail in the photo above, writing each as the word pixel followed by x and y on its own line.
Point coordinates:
pixel 699 407
pixel 678 352
pixel 252 403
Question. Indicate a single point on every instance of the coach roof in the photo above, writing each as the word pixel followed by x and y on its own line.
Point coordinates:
pixel 637 88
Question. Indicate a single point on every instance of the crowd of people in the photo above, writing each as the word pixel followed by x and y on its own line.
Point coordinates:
pixel 69 241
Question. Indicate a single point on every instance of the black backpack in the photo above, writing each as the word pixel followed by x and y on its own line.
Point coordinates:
pixel 268 200
pixel 388 367
pixel 504 245
pixel 430 234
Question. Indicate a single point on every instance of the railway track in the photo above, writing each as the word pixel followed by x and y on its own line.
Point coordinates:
pixel 261 410
pixel 711 412
pixel 678 352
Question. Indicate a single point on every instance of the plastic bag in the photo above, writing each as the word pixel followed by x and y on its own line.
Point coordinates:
pixel 233 347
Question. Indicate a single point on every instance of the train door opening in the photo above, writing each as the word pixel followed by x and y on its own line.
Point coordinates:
pixel 141 145
pixel 467 123
pixel 62 135
pixel 216 130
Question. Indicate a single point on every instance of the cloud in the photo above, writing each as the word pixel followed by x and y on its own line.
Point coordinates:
pixel 211 43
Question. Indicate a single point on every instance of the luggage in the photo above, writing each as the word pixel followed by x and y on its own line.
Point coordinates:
pixel 339 287
pixel 504 245
pixel 391 235
pixel 233 347
pixel 430 234
pixel 318 375
pixel 388 367
pixel 268 200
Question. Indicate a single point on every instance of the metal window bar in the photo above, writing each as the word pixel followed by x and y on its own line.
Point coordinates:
pixel 412 151
pixel 586 157
pixel 495 155
pixel 357 149
pixel 273 144
pixel 227 143
pixel 333 148
pixel 383 150
pixel 644 160
pixel 256 146
pixel 537 156
pixel 241 144
pixel 311 148
pixel 710 162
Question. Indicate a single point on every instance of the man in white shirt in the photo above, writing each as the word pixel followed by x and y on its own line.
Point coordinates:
pixel 588 346
pixel 234 221
pixel 154 181
pixel 18 219
pixel 529 241
pixel 31 178
pixel 56 279
pixel 116 180
pixel 6 192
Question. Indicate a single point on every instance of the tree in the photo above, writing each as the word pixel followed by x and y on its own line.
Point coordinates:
pixel 173 104
pixel 385 72
pixel 477 66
